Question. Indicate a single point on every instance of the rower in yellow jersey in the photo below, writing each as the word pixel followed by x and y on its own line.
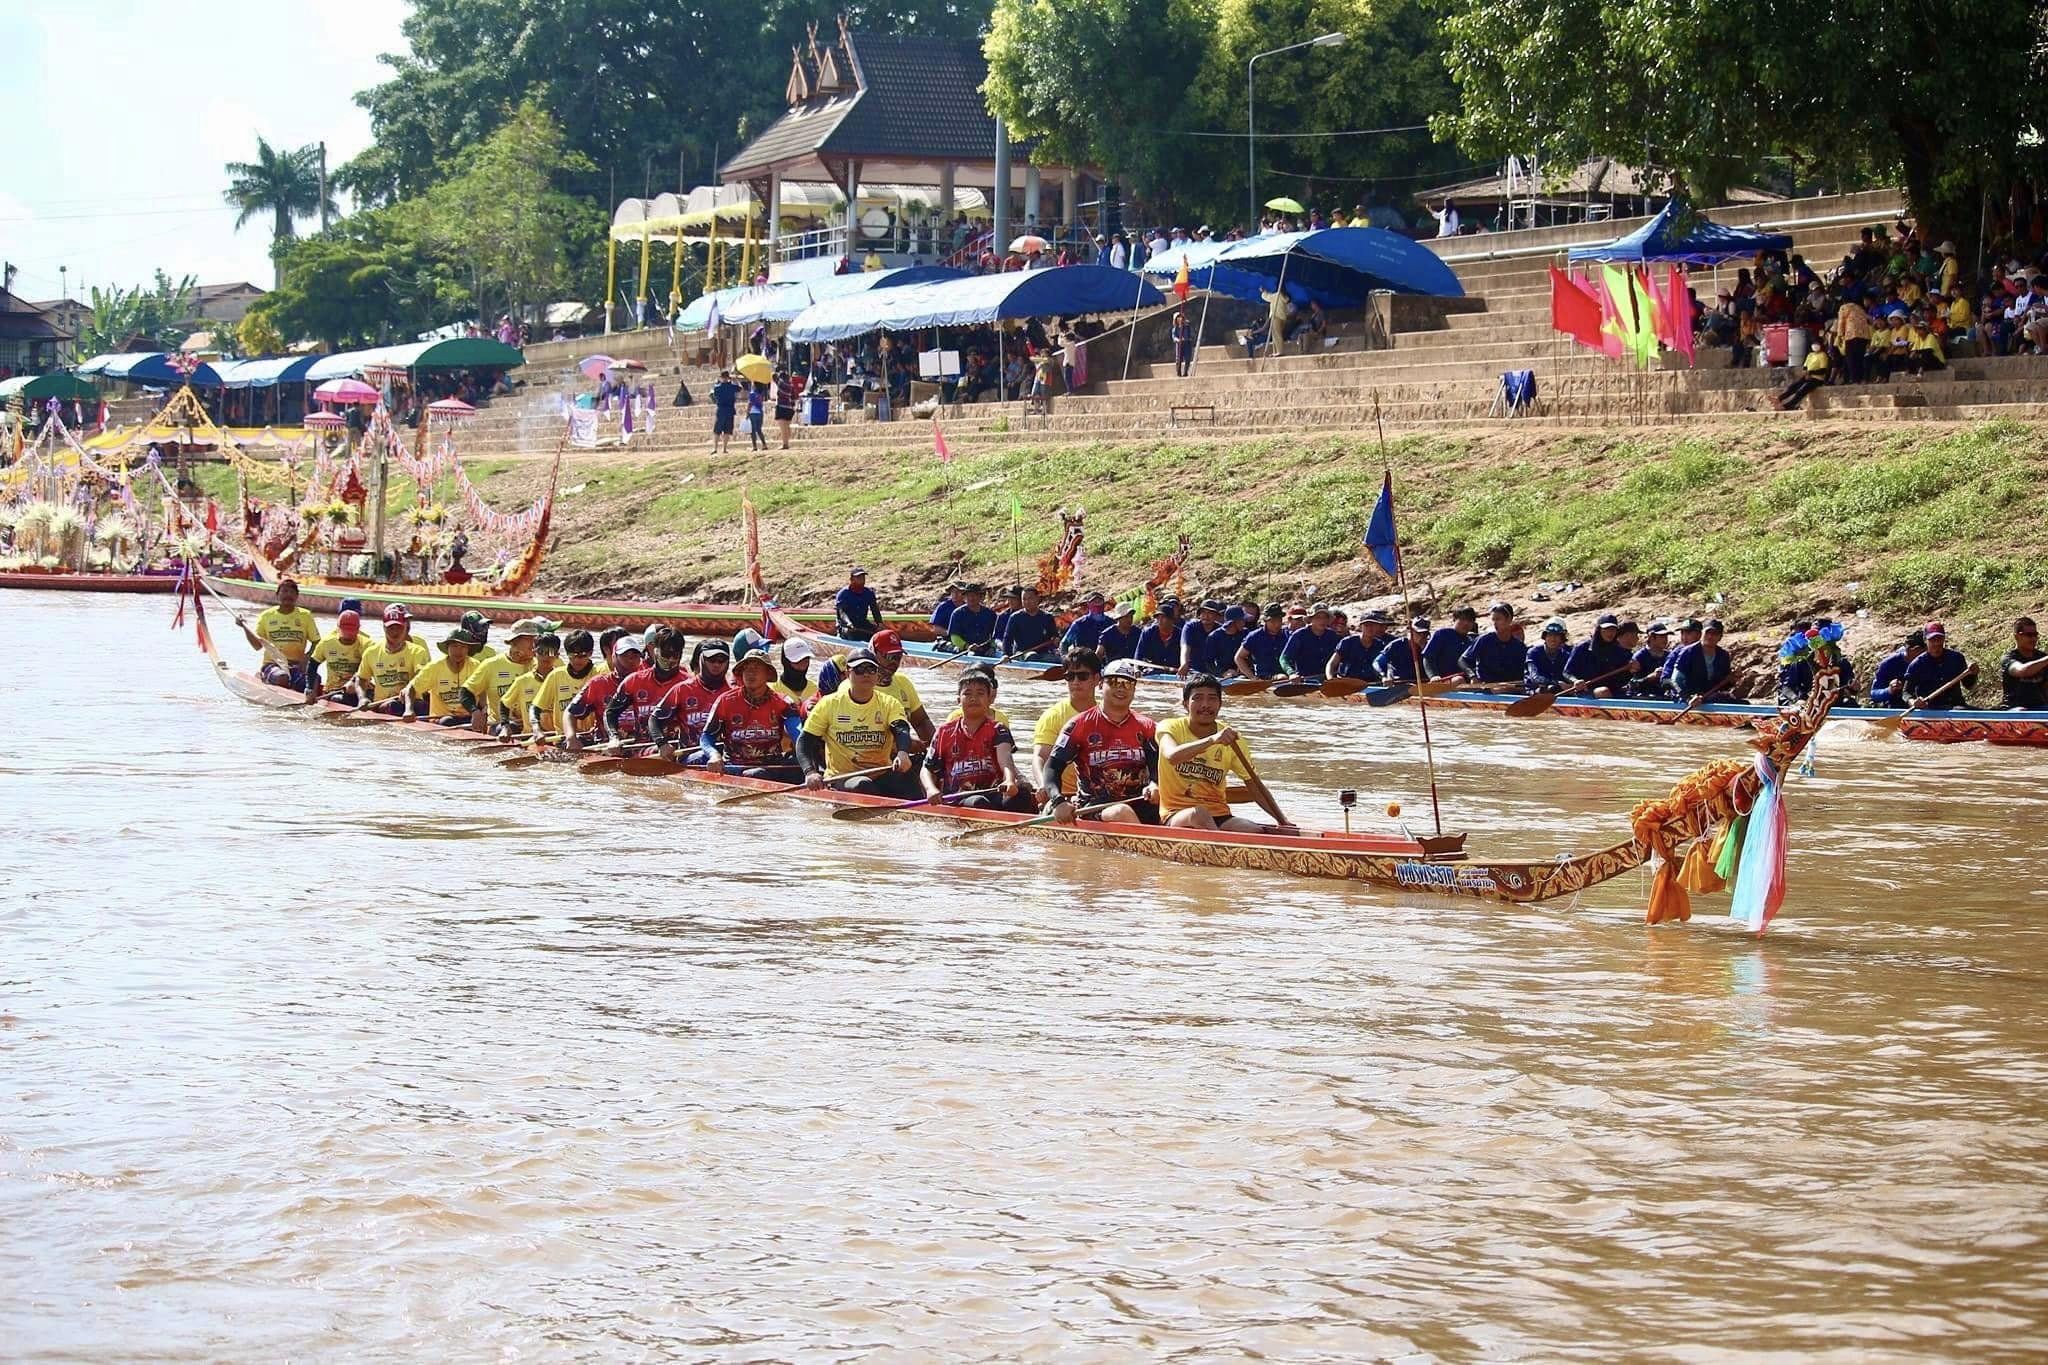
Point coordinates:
pixel 286 634
pixel 439 685
pixel 389 664
pixel 491 675
pixel 857 728
pixel 340 653
pixel 1197 759
pixel 515 715
pixel 561 686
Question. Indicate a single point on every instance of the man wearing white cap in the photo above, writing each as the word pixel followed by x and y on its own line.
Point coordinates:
pixel 793 673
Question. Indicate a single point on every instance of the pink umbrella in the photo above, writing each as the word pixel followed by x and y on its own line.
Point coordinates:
pixel 595 365
pixel 347 391
pixel 325 420
pixel 450 410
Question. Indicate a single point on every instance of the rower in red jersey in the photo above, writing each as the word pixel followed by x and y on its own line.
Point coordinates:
pixel 629 715
pixel 679 717
pixel 974 752
pixel 1113 752
pixel 595 700
pixel 753 727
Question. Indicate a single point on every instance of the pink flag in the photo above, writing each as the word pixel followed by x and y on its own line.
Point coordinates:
pixel 1680 310
pixel 939 445
pixel 1613 323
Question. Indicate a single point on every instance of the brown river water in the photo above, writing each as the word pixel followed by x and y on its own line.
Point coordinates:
pixel 330 1043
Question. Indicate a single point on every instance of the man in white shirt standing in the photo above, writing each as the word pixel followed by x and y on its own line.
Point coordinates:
pixel 1447 220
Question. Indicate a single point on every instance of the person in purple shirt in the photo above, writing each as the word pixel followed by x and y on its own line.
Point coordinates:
pixel 1543 670
pixel 1159 643
pixel 1123 637
pixel 1194 637
pixel 1356 655
pixel 1397 661
pixel 1087 627
pixel 1308 649
pixel 1258 654
pixel 1936 669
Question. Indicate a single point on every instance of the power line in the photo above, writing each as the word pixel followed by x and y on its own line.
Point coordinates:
pixel 116 214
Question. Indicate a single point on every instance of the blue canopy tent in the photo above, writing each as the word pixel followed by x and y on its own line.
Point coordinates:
pixel 154 369
pixel 269 372
pixel 1205 273
pixel 787 301
pixel 694 317
pixel 1345 265
pixel 100 362
pixel 1066 291
pixel 1708 242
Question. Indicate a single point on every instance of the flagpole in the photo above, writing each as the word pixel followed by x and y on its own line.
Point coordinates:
pixel 1436 809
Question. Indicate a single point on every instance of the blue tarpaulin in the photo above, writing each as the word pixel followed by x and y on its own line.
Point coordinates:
pixel 698 312
pixel 1204 273
pixel 1706 244
pixel 267 372
pixel 154 368
pixel 784 302
pixel 1345 264
pixel 1063 291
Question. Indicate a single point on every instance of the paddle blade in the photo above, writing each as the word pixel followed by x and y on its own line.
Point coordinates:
pixel 1388 696
pixel 1298 689
pixel 631 767
pixel 1343 687
pixel 1535 704
pixel 1436 687
pixel 1246 687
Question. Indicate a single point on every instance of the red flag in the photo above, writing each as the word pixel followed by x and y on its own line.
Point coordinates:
pixel 939 444
pixel 1574 311
pixel 1682 313
pixel 1181 284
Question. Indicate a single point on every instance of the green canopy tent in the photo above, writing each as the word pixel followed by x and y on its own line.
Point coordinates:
pixel 61 384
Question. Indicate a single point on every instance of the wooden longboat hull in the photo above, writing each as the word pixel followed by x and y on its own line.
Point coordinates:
pixel 89 582
pixel 1396 864
pixel 2017 728
pixel 448 602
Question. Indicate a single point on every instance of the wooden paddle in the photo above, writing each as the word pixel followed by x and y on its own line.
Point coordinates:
pixel 1344 687
pixel 1296 687
pixel 743 797
pixel 1260 791
pixel 1687 709
pixel 1247 687
pixel 857 814
pixel 1536 703
pixel 1010 826
pixel 1890 724
pixel 1436 687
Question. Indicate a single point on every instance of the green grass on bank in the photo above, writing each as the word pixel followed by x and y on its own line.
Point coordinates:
pixel 1918 520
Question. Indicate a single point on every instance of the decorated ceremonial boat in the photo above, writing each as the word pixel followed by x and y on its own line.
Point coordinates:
pixel 1703 801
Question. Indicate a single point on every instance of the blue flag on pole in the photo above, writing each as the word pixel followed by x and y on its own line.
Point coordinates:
pixel 1379 532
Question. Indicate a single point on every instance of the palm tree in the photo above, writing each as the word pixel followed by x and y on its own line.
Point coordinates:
pixel 285 185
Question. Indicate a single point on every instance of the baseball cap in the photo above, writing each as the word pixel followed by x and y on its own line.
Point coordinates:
pixel 1691 623
pixel 1319 609
pixel 1375 617
pixel 396 613
pixel 1212 604
pixel 354 604
pixel 1418 623
pixel 796 650
pixel 1659 627
pixel 1713 623
pixel 1499 607
pixel 1274 611
pixel 856 572
pixel 349 622
pixel 1125 668
pixel 526 626
pixel 1609 619
pixel 1233 614
pixel 1095 597
pixel 1553 627
pixel 1124 609
pixel 716 646
pixel 885 642
pixel 861 658
pixel 477 624
pixel 1934 628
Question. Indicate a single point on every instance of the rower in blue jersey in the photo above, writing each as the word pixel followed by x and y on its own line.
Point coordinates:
pixel 1543 665
pixel 1220 649
pixel 1688 634
pixel 1159 642
pixel 1599 655
pixel 856 612
pixel 1648 678
pixel 1194 637
pixel 1496 659
pixel 1702 669
pixel 1258 654
pixel 1935 670
pixel 1087 627
pixel 1888 683
pixel 971 629
pixel 1030 632
pixel 1308 649
pixel 1122 638
pixel 1012 601
pixel 1445 648
pixel 1356 656
pixel 942 614
pixel 1397 662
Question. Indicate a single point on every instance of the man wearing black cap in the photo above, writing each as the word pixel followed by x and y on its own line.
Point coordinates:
pixel 1356 656
pixel 857 728
pixel 1440 657
pixel 1928 677
pixel 1159 643
pixel 1701 670
pixel 1258 653
pixel 1194 636
pixel 1030 631
pixel 1497 658
pixel 858 613
pixel 1598 656
pixel 1398 661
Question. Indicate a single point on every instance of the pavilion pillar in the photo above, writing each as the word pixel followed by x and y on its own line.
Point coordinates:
pixel 1070 197
pixel 1031 195
pixel 774 217
pixel 999 202
pixel 852 208
pixel 611 278
pixel 946 190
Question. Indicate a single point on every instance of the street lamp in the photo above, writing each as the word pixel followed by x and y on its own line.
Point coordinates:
pixel 1251 145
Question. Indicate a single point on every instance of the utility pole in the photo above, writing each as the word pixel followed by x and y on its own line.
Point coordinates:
pixel 323 185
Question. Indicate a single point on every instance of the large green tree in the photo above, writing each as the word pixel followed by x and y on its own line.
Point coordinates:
pixel 283 184
pixel 154 311
pixel 1946 97
pixel 367 280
